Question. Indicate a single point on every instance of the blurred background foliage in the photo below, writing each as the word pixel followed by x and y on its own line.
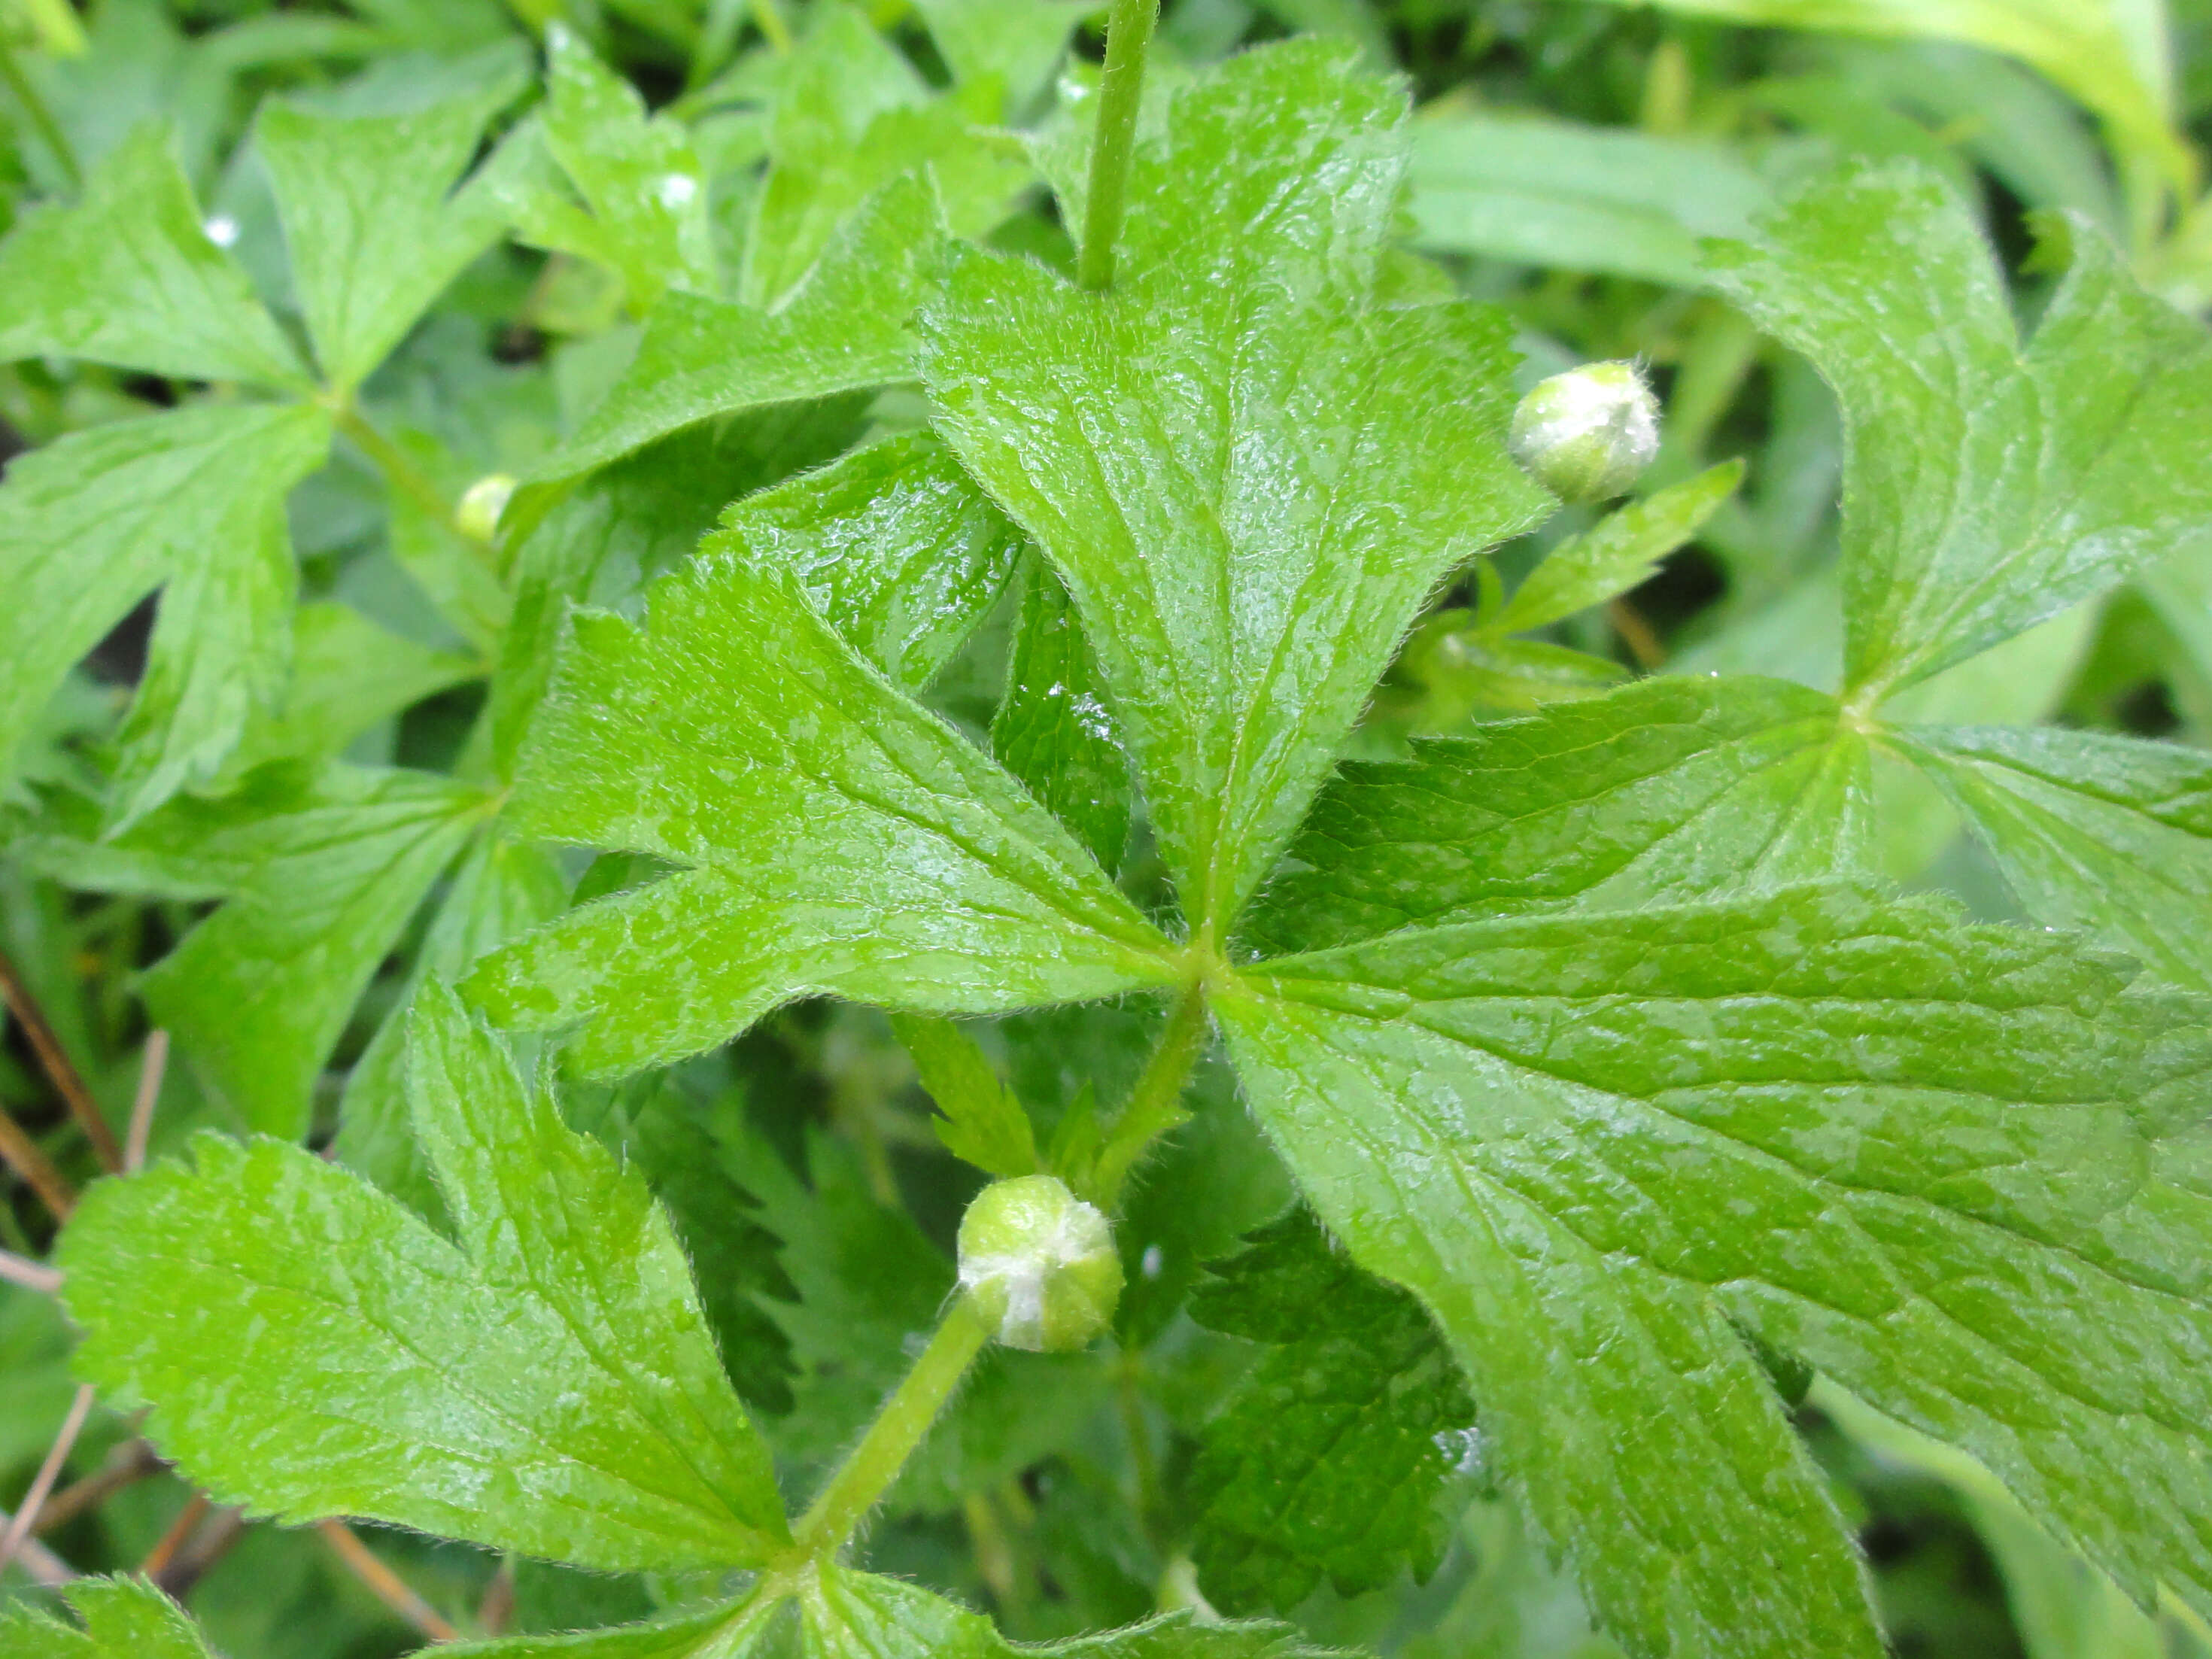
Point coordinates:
pixel 1568 155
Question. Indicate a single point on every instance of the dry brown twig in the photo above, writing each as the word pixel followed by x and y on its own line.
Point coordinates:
pixel 58 1066
pixel 26 1515
pixel 31 1275
pixel 151 1070
pixel 387 1586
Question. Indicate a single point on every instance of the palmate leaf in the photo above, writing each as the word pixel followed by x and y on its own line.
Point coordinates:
pixel 644 210
pixel 1988 484
pixel 123 1619
pixel 373 222
pixel 1329 1457
pixel 842 1614
pixel 851 115
pixel 2109 834
pixel 192 501
pixel 127 276
pixel 1669 787
pixel 925 878
pixel 543 1383
pixel 321 870
pixel 843 328
pixel 1054 730
pixel 1955 1169
pixel 1248 473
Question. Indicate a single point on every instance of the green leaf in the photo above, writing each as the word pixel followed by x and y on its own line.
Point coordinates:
pixel 1054 730
pixel 676 1141
pixel 1955 1169
pixel 1988 484
pixel 1669 787
pixel 499 890
pixel 1561 195
pixel 1014 44
pixel 2108 834
pixel 840 1613
pixel 852 115
pixel 1622 551
pixel 1454 668
pixel 926 879
pixel 545 1384
pixel 123 1619
pixel 321 877
pixel 1329 1458
pixel 347 674
pixel 644 209
pixel 95 520
pixel 634 520
pixel 221 652
pixel 2113 55
pixel 373 218
pixel 894 545
pixel 1248 473
pixel 843 328
pixel 983 1122
pixel 127 276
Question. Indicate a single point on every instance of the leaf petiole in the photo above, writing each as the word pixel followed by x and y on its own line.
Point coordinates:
pixel 861 1480
pixel 1128 33
pixel 1156 1104
pixel 40 116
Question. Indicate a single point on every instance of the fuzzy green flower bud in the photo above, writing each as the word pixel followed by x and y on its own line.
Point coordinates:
pixel 1588 433
pixel 476 514
pixel 1039 1264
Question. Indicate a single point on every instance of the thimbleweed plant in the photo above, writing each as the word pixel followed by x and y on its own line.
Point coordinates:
pixel 1582 1086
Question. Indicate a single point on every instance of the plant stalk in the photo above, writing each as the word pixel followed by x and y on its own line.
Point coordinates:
pixel 1120 88
pixel 1156 1104
pixel 867 1473
pixel 47 1045
pixel 49 130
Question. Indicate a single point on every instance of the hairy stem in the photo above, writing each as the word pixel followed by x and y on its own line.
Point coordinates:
pixel 867 1473
pixel 1156 1104
pixel 1128 31
pixel 401 473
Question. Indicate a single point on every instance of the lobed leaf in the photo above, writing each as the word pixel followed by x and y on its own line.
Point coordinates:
pixel 128 275
pixel 843 328
pixel 1988 484
pixel 2108 834
pixel 1622 551
pixel 543 1382
pixel 193 502
pixel 1669 787
pixel 982 1122
pixel 1955 1169
pixel 375 224
pixel 1247 471
pixel 925 879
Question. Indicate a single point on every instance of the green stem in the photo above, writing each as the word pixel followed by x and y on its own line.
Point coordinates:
pixel 1156 1104
pixel 768 17
pixel 876 1461
pixel 1128 31
pixel 49 132
pixel 410 480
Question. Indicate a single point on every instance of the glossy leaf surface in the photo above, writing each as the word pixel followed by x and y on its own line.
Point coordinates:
pixel 1950 1167
pixel 128 276
pixel 1989 483
pixel 925 879
pixel 543 1382
pixel 1248 474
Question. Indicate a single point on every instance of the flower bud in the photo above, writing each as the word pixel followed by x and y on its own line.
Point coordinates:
pixel 1586 434
pixel 476 514
pixel 1039 1264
